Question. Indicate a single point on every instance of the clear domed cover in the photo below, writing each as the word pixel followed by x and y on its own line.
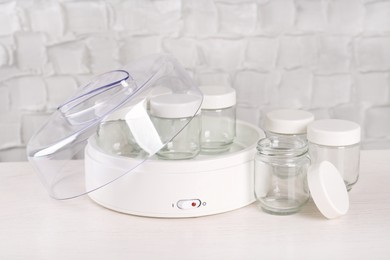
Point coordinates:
pixel 113 108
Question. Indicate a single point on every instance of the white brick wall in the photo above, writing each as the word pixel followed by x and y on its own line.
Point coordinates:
pixel 328 56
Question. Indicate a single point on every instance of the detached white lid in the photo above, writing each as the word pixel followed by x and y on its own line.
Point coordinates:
pixel 333 132
pixel 288 121
pixel 328 190
pixel 217 97
pixel 174 105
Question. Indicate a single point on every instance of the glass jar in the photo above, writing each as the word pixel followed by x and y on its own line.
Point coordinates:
pixel 218 118
pixel 290 123
pixel 171 113
pixel 336 141
pixel 281 166
pixel 114 137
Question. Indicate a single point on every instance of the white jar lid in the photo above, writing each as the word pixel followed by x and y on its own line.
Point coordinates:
pixel 328 190
pixel 218 97
pixel 333 132
pixel 288 121
pixel 158 91
pixel 174 105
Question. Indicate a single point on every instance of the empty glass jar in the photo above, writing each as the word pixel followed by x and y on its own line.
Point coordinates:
pixel 336 141
pixel 218 118
pixel 290 123
pixel 281 166
pixel 114 137
pixel 175 113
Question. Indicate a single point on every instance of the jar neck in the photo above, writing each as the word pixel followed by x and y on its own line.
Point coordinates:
pixel 282 147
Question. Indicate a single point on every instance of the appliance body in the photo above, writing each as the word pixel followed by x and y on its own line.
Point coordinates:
pixel 205 185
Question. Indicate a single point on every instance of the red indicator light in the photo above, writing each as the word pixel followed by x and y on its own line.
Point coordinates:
pixel 193 204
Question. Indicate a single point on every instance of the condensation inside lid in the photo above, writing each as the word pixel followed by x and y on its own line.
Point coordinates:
pixel 328 190
pixel 114 105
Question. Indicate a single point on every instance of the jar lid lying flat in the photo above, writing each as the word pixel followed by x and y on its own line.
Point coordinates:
pixel 174 105
pixel 288 121
pixel 333 132
pixel 328 190
pixel 218 97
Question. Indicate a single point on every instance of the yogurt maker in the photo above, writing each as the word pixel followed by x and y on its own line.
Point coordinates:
pixel 122 171
pixel 207 184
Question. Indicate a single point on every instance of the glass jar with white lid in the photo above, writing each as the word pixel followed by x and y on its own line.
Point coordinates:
pixel 338 142
pixel 175 112
pixel 289 123
pixel 218 118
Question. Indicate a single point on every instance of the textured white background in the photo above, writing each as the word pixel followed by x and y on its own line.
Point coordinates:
pixel 331 57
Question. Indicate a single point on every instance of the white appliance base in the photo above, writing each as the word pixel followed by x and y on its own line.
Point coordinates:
pixel 206 185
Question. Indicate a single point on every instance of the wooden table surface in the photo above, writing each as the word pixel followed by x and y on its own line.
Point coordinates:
pixel 35 226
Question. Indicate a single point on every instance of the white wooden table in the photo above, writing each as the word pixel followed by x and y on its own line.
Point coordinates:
pixel 35 226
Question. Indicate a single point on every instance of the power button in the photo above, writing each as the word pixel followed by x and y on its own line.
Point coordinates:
pixel 188 204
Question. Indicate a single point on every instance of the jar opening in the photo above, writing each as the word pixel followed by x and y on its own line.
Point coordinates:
pixel 279 146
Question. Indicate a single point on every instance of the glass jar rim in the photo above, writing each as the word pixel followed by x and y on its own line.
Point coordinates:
pixel 281 146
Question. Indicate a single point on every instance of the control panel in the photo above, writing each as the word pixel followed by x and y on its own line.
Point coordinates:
pixel 189 204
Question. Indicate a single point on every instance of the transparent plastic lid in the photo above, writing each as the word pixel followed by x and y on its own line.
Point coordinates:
pixel 113 104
